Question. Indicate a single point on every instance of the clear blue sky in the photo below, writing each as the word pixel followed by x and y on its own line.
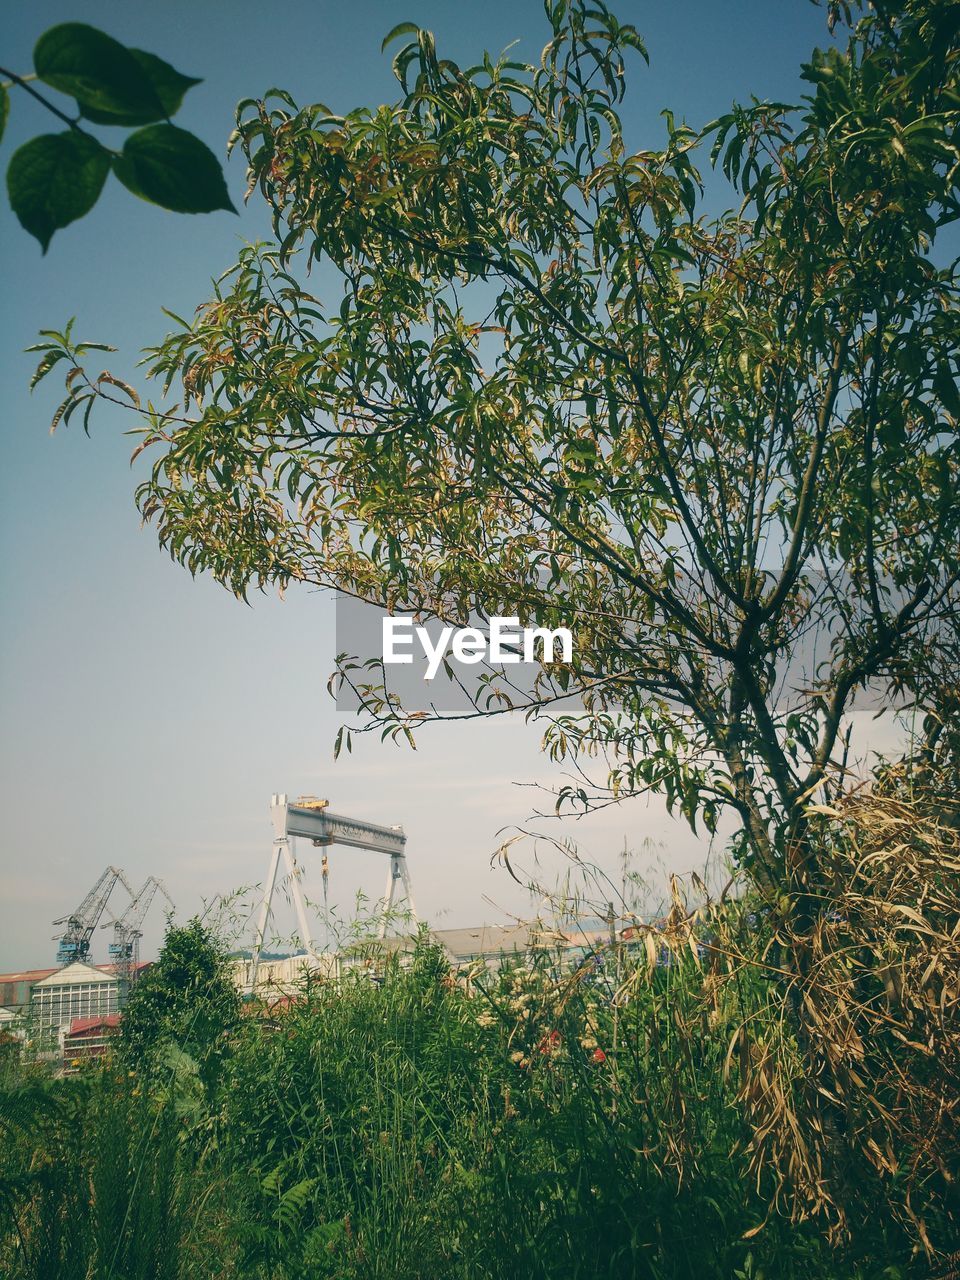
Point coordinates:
pixel 146 718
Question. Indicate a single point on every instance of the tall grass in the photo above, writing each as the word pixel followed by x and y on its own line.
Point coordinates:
pixel 656 1112
pixel 91 1182
pixel 410 1129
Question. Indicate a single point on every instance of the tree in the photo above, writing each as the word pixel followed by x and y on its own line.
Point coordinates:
pixel 553 384
pixel 187 1001
pixel 56 178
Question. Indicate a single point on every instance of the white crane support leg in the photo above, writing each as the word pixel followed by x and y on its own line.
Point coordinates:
pixel 408 890
pixel 296 888
pixel 278 846
pixel 398 871
pixel 392 873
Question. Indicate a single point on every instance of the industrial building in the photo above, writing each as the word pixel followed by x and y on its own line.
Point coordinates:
pixel 281 973
pixel 16 988
pixel 498 944
pixel 43 1004
pixel 87 1040
pixel 79 990
pixel 9 1024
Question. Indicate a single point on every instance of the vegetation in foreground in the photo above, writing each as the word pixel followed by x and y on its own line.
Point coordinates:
pixel 667 404
pixel 652 1113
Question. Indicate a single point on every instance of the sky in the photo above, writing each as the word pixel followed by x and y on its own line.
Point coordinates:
pixel 145 717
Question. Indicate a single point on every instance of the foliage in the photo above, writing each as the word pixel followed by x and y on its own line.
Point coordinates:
pixel 551 383
pixel 54 179
pixel 545 1120
pixel 879 1017
pixel 90 1184
pixel 186 1003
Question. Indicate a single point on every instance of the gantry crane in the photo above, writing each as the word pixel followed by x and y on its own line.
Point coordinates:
pixel 75 939
pixel 125 947
pixel 310 818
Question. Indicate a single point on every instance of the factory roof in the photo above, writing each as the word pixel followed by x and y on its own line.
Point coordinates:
pixel 26 975
pixel 497 939
pixel 33 976
pixel 486 939
pixel 80 1026
pixel 73 975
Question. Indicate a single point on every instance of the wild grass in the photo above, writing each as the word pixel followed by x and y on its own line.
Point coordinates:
pixel 682 1104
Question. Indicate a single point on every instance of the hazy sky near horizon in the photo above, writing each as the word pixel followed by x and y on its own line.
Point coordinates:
pixel 148 717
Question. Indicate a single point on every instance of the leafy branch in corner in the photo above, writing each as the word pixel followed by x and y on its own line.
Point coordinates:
pixel 56 178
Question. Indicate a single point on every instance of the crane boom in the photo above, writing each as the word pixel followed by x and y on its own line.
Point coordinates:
pixel 125 947
pixel 317 823
pixel 133 917
pixel 75 939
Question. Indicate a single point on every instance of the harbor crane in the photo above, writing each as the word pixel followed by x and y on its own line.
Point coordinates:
pixel 311 818
pixel 125 947
pixel 75 939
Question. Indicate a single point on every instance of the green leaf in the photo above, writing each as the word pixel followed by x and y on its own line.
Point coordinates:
pixel 50 359
pixel 97 70
pixel 168 85
pixel 4 109
pixel 172 168
pixel 55 179
pixel 401 29
pixel 946 388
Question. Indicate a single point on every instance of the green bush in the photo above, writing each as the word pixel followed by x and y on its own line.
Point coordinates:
pixel 420 1127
